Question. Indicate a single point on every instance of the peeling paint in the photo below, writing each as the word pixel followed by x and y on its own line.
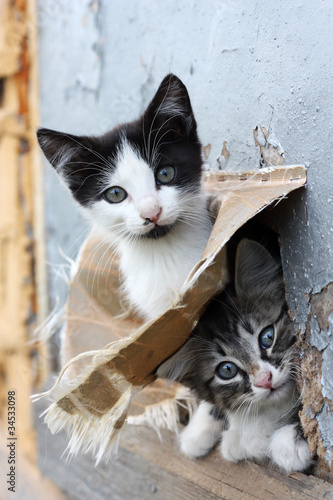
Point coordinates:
pixel 325 421
pixel 317 370
pixel 206 150
pixel 225 153
pixel 271 152
pixel 321 324
pixel 327 366
pixel 222 159
pixel 319 338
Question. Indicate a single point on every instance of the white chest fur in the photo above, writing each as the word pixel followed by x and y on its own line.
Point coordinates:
pixel 155 270
pixel 251 433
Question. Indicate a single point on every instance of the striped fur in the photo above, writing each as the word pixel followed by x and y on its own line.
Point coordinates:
pixel 261 399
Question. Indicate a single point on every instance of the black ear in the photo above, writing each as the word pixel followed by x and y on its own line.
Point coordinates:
pixel 171 108
pixel 61 149
pixel 74 158
pixel 257 274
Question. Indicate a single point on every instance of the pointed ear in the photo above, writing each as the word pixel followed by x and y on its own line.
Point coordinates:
pixel 257 274
pixel 73 157
pixel 171 107
pixel 61 149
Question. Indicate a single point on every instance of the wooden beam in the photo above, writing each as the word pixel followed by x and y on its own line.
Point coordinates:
pixel 149 469
pixel 18 239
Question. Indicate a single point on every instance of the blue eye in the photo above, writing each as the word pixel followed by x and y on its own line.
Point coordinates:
pixel 164 175
pixel 115 194
pixel 266 337
pixel 227 370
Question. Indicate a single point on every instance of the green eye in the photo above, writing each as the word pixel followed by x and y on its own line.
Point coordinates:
pixel 266 337
pixel 115 194
pixel 227 370
pixel 164 175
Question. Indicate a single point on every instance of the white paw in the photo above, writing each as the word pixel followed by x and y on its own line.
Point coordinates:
pixel 231 448
pixel 196 445
pixel 201 434
pixel 290 452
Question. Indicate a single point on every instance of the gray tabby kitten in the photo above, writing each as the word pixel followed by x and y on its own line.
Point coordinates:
pixel 241 363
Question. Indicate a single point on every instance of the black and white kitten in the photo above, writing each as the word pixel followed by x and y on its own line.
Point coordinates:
pixel 241 363
pixel 140 183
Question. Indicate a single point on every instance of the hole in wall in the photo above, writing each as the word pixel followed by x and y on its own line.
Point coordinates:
pixel 255 229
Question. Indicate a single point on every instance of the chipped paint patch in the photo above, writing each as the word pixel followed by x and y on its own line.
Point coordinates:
pixel 222 159
pixel 225 153
pixel 317 369
pixel 325 421
pixel 206 151
pixel 271 152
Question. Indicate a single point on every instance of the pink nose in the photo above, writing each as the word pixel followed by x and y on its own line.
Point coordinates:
pixel 150 209
pixel 153 216
pixel 264 380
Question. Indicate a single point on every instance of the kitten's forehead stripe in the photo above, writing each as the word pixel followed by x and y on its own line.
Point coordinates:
pixel 283 312
pixel 219 348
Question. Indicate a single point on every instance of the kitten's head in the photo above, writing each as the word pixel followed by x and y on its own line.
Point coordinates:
pixel 141 178
pixel 242 350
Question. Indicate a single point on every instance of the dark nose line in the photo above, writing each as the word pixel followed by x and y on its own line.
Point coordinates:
pixel 147 221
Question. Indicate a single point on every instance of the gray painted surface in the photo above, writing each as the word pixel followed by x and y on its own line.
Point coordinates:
pixel 244 63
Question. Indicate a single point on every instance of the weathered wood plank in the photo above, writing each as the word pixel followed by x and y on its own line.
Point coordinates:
pixel 17 244
pixel 13 30
pixel 147 469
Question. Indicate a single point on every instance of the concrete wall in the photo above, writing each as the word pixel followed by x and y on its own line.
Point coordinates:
pixel 245 63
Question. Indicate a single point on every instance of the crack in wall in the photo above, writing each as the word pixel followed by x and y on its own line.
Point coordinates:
pixel 87 75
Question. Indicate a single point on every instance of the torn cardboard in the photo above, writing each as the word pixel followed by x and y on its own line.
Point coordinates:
pixel 93 406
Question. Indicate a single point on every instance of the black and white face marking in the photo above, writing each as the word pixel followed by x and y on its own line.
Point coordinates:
pixel 141 178
pixel 163 176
